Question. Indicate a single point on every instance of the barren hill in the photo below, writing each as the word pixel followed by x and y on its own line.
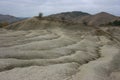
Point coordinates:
pixel 34 23
pixel 98 19
pixel 70 16
pixel 43 23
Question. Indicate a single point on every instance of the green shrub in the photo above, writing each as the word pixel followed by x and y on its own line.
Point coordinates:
pixel 40 15
pixel 114 23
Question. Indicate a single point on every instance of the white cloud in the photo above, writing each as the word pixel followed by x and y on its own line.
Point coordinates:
pixel 33 7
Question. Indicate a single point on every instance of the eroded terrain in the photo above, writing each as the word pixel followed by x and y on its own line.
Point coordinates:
pixel 59 54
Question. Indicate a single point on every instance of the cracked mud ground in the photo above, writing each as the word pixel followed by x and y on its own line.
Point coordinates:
pixel 59 54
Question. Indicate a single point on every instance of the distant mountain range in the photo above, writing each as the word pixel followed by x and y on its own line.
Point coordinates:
pixel 9 18
pixel 86 18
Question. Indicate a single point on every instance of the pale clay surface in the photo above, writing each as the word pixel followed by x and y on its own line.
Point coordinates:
pixel 58 55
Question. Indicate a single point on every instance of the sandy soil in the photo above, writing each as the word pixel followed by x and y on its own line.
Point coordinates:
pixel 59 54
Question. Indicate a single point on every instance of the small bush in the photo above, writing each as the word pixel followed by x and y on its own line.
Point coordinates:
pixel 3 24
pixel 40 15
pixel 114 23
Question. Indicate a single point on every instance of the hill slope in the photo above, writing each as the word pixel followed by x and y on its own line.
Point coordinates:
pixel 100 18
pixel 69 15
pixel 43 23
pixel 34 23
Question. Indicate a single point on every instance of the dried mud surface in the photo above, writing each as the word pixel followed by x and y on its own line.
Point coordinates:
pixel 59 54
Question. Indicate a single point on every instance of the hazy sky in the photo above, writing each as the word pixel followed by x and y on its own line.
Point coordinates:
pixel 28 8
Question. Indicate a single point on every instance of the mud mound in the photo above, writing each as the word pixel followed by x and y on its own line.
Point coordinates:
pixel 34 23
pixel 58 54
